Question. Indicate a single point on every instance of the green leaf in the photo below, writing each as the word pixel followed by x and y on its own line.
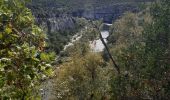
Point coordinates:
pixel 49 71
pixel 44 57
pixel 8 30
pixel 1 36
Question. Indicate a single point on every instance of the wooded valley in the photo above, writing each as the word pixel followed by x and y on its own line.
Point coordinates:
pixel 84 49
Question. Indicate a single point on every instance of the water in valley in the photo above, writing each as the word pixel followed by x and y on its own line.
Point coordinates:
pixel 96 45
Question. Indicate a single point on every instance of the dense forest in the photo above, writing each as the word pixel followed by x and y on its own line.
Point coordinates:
pixel 84 49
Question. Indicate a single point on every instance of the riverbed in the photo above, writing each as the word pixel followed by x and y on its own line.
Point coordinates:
pixel 97 45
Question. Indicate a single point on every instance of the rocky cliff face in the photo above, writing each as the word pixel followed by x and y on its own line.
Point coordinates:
pixel 107 13
pixel 56 23
pixel 61 22
pixel 56 16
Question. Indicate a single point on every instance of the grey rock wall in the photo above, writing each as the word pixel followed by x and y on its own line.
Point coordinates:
pixel 107 13
pixel 53 23
pixel 51 18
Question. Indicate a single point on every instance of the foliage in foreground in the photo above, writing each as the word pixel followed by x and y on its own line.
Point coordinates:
pixel 22 60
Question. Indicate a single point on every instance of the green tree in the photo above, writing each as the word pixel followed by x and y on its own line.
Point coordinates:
pixel 22 60
pixel 143 55
pixel 126 34
pixel 83 76
pixel 157 50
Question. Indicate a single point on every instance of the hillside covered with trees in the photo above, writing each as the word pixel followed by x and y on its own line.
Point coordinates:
pixel 50 50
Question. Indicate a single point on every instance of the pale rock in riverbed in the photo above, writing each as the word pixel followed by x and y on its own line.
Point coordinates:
pixel 97 45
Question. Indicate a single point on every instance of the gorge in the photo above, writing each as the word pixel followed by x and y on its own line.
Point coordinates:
pixel 53 20
pixel 84 49
pixel 62 17
pixel 49 14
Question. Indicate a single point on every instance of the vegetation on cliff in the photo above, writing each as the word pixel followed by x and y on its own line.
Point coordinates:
pixel 138 43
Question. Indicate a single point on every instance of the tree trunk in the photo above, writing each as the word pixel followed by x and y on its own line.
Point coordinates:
pixel 108 51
